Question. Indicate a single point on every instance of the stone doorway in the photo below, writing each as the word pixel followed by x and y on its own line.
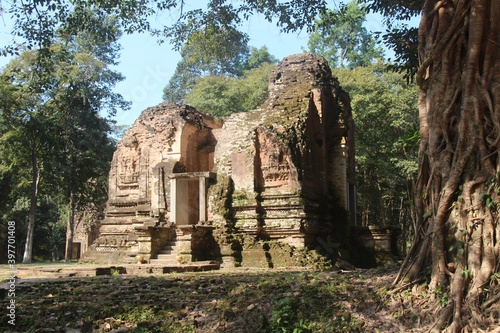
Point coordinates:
pixel 188 197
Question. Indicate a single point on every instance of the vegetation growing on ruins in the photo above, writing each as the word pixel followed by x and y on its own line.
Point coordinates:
pixel 456 248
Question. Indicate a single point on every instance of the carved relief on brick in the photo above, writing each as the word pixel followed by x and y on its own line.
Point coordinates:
pixel 128 170
pixel 127 163
pixel 274 168
pixel 166 133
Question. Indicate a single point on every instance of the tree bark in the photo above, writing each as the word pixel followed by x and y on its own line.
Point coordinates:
pixel 457 190
pixel 70 229
pixel 35 178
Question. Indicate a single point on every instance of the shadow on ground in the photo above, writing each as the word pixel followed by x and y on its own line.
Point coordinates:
pixel 239 300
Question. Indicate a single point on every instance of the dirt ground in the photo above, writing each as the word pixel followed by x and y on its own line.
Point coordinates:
pixel 235 300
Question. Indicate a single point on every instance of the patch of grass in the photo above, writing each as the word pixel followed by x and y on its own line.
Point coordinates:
pixel 286 317
pixel 134 313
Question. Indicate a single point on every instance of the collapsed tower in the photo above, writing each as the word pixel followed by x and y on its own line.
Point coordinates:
pixel 248 190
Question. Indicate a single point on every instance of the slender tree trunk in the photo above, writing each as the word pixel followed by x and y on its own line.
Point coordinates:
pixel 457 190
pixel 35 178
pixel 403 224
pixel 70 230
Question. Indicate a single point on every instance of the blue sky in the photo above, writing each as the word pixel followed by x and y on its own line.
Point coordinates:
pixel 148 66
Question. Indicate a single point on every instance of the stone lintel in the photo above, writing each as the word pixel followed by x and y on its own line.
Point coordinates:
pixel 282 195
pixel 191 227
pixel 202 174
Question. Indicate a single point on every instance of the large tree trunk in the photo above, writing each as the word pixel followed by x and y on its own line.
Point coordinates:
pixel 35 178
pixel 457 235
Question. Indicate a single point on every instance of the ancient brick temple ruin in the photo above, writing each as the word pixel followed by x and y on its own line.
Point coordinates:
pixel 254 189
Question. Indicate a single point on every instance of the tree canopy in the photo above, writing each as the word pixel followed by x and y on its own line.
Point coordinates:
pixel 36 22
pixel 223 95
pixel 340 37
pixel 196 63
pixel 398 36
pixel 53 122
pixel 192 68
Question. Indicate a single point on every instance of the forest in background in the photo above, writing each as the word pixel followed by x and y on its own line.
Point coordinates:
pixel 452 56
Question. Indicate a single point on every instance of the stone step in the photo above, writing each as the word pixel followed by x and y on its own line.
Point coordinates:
pixel 164 262
pixel 167 256
pixel 169 248
pixel 172 249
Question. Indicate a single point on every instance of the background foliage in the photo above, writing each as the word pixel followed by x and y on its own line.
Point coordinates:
pixel 56 145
